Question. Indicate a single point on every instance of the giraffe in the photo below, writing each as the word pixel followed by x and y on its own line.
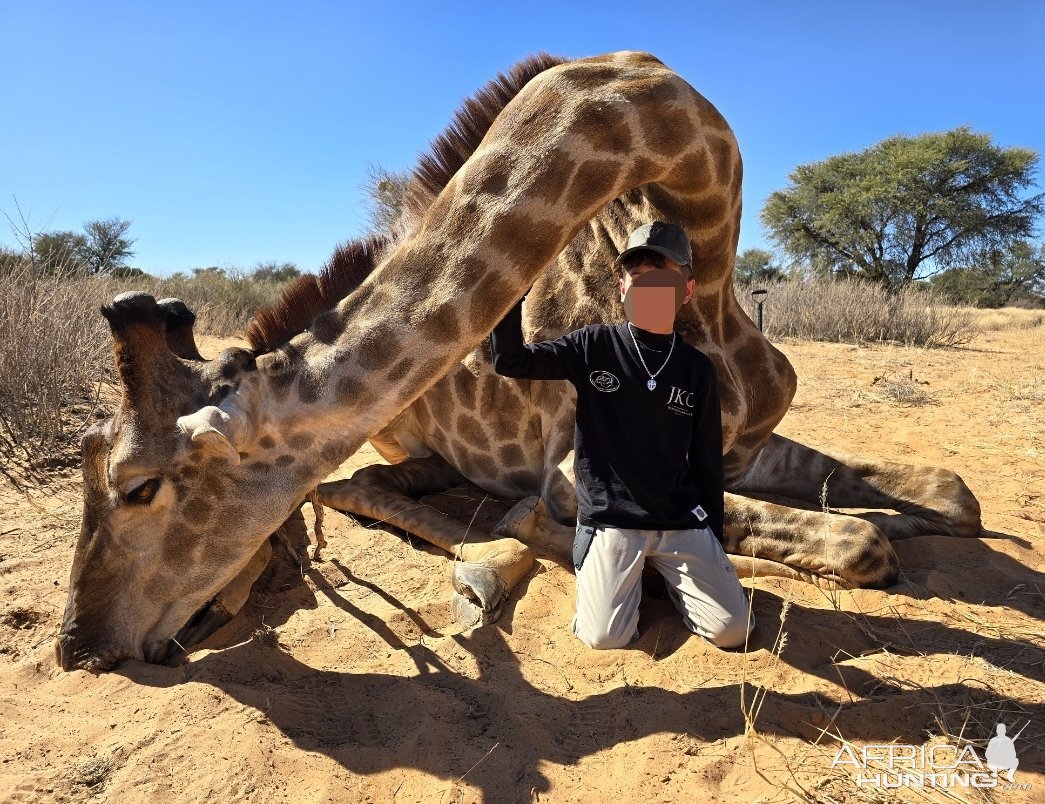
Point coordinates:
pixel 536 184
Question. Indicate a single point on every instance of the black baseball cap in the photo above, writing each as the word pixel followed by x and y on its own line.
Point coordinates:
pixel 664 238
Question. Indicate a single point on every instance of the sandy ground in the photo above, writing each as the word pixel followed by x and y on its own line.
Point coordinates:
pixel 347 680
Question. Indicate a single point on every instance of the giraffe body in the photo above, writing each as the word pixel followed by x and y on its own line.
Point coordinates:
pixel 204 459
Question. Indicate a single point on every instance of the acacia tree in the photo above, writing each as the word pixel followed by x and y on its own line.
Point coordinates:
pixel 102 247
pixel 58 253
pixel 107 247
pixel 908 207
pixel 999 278
pixel 757 265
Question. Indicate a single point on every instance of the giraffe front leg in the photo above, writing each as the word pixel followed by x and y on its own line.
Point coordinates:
pixel 485 569
pixel 484 576
pixel 488 571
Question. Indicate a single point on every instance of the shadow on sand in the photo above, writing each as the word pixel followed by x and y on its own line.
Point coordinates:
pixel 443 723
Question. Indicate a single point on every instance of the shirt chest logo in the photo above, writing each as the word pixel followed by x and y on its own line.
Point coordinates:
pixel 604 381
pixel 681 401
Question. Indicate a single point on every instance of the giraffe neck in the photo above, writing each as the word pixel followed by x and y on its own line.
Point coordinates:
pixel 575 138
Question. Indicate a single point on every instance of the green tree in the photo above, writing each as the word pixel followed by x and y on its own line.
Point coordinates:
pixel 59 253
pixel 1016 273
pixel 908 207
pixel 757 265
pixel 106 247
pixel 275 271
pixel 102 247
pixel 11 261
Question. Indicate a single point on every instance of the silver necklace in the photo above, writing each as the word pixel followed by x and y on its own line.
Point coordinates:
pixel 651 383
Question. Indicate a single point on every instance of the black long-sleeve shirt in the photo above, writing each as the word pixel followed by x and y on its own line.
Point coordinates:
pixel 642 459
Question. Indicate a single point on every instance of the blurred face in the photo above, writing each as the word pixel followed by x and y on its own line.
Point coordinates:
pixel 653 289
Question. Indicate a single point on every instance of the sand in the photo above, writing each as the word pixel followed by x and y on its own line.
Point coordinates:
pixel 348 681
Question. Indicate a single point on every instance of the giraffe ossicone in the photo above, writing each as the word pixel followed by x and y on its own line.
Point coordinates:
pixel 537 183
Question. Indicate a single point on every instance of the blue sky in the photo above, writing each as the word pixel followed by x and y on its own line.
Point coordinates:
pixel 236 132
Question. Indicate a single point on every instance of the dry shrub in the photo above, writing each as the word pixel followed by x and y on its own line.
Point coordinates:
pixel 55 348
pixel 223 301
pixel 859 312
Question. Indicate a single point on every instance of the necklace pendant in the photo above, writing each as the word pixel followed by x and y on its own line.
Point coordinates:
pixel 651 384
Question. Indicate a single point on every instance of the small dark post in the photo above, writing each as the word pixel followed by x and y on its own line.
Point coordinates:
pixel 759 295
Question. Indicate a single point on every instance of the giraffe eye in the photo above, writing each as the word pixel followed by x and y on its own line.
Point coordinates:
pixel 143 493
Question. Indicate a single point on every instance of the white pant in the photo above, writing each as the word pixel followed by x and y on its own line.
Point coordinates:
pixel 700 578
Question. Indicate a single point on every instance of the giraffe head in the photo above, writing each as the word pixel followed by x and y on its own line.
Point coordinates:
pixel 151 554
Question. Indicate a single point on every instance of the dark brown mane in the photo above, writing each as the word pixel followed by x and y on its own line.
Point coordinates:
pixel 451 149
pixel 308 296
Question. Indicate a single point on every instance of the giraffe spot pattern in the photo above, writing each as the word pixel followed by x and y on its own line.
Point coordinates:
pixel 300 441
pixel 604 128
pixel 310 387
pixel 481 466
pixel 348 389
pixel 510 454
pixel 723 157
pixel 524 240
pixel 640 171
pixel 441 326
pixel 378 347
pixel 463 384
pixel 178 543
pixel 198 510
pixel 464 219
pixel 280 382
pixel 471 431
pixel 534 115
pixel 593 182
pixel 549 180
pixel 327 327
pixel 669 132
pixel 331 452
pixel 691 171
pixel 526 482
pixel 488 175
pixel 399 370
pixel 430 369
pixel 491 288
pixel 589 77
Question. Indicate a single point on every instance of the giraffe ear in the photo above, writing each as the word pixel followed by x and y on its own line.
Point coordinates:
pixel 216 431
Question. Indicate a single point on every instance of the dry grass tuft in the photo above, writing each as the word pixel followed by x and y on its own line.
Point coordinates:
pixel 1033 390
pixel 1005 318
pixel 906 391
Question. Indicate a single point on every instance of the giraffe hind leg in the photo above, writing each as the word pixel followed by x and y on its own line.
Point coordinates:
pixel 926 499
pixel 751 567
pixel 839 549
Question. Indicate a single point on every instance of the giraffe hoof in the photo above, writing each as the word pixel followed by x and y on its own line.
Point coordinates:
pixel 468 614
pixel 521 521
pixel 479 594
